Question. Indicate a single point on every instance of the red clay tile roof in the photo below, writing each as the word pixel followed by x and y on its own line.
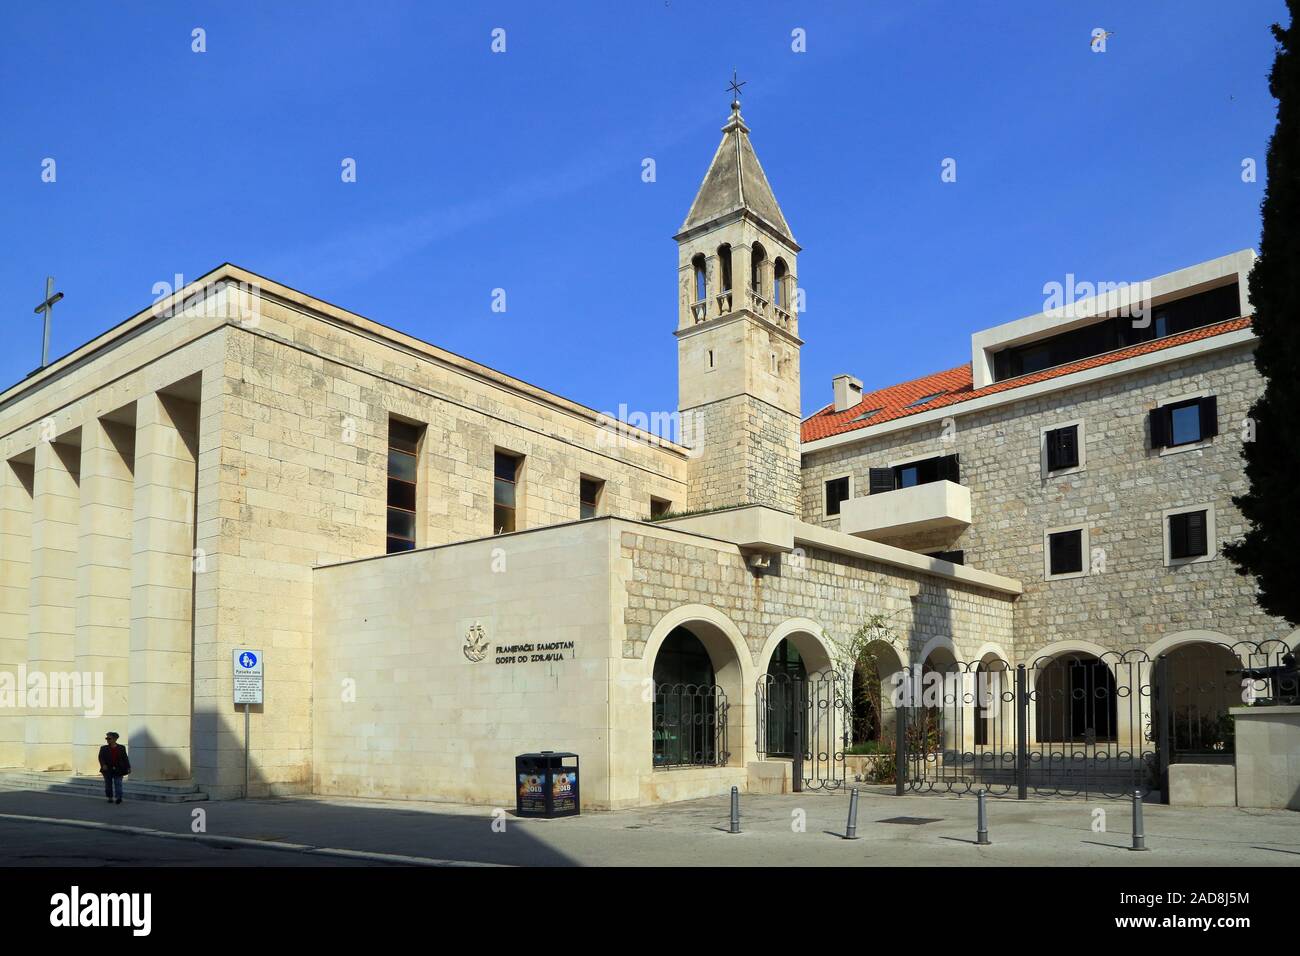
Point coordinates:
pixel 957 386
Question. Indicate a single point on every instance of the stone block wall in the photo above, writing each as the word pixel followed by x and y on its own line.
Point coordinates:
pixel 1120 493
pixel 745 452
pixel 664 571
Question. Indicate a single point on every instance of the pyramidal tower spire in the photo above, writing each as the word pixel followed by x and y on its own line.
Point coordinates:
pixel 737 333
pixel 736 181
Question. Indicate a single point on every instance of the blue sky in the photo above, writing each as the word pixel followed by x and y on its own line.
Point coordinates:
pixel 522 170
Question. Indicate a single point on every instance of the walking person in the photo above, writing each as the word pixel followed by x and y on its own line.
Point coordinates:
pixel 114 765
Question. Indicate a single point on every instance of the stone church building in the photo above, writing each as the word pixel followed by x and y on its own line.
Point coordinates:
pixel 444 566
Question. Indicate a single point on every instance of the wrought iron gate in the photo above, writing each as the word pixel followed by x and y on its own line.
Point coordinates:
pixel 805 719
pixel 1195 685
pixel 1073 723
pixel 689 726
pixel 1065 725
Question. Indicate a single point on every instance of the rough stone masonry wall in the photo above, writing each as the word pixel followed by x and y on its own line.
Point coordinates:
pixel 835 591
pixel 748 453
pixel 1121 492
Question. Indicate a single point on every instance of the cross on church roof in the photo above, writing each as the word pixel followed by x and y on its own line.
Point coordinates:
pixel 47 307
pixel 734 89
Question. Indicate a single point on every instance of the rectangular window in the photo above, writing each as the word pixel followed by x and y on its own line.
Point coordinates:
pixel 505 491
pixel 1065 552
pixel 403 472
pixel 943 468
pixel 589 492
pixel 659 508
pixel 1188 536
pixel 1185 423
pixel 1062 448
pixel 837 491
pixel 1116 332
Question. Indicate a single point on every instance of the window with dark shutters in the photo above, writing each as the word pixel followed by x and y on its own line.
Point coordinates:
pixel 942 468
pixel 1209 417
pixel 837 490
pixel 1187 535
pixel 1159 419
pixel 1065 554
pixel 1063 448
pixel 950 469
pixel 1185 423
pixel 880 480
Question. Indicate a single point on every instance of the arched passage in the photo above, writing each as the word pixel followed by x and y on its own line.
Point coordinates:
pixel 689 708
pixel 1076 700
pixel 694 657
pixel 797 689
pixel 874 679
pixel 1194 678
pixel 993 703
pixel 940 723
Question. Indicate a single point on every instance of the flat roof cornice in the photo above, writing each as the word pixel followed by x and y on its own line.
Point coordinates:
pixel 161 310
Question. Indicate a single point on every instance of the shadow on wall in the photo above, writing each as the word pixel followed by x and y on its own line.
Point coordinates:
pixel 151 763
pixel 218 756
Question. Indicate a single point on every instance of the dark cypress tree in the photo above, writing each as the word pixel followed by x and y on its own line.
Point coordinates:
pixel 1270 549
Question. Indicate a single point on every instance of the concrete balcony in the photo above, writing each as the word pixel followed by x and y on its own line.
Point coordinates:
pixel 891 515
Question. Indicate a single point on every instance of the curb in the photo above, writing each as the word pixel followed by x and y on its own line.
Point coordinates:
pixel 216 840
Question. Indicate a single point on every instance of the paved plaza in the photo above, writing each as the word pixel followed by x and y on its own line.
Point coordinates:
pixel 797 830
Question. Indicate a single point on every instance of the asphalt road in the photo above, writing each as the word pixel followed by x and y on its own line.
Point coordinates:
pixel 30 844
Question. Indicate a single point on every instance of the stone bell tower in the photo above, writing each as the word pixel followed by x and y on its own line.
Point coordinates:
pixel 738 335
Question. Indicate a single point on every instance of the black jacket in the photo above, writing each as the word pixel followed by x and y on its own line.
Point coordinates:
pixel 119 767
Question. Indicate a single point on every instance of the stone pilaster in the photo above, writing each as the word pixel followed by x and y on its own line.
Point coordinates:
pixel 162 588
pixel 103 597
pixel 15 585
pixel 51 650
pixel 742 264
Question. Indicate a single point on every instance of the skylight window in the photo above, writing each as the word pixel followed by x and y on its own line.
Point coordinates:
pixel 923 400
pixel 865 415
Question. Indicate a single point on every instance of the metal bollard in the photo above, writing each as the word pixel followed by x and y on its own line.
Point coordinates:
pixel 1139 834
pixel 735 810
pixel 851 828
pixel 981 821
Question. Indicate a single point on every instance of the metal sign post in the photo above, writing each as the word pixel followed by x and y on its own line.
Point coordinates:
pixel 248 691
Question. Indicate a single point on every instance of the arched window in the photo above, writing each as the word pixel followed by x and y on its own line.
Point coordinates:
pixel 756 268
pixel 724 264
pixel 701 277
pixel 786 670
pixel 689 707
pixel 779 272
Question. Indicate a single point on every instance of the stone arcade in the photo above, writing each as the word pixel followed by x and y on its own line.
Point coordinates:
pixel 445 566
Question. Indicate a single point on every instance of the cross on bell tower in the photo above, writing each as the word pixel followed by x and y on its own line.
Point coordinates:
pixel 47 307
pixel 734 89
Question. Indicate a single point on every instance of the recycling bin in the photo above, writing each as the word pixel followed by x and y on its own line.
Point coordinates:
pixel 546 785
